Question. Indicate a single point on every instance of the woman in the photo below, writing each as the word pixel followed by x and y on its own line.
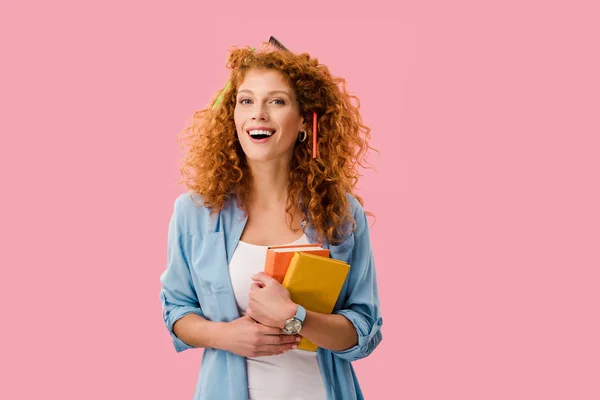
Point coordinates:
pixel 255 182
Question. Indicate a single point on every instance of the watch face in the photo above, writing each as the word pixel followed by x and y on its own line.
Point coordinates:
pixel 293 326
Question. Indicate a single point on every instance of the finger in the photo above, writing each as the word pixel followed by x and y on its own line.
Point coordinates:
pixel 271 350
pixel 280 339
pixel 264 279
pixel 267 330
pixel 249 315
pixel 253 290
pixel 290 339
pixel 268 353
pixel 249 319
pixel 257 285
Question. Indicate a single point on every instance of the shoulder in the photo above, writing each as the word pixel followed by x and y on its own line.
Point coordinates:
pixel 198 219
pixel 191 213
pixel 359 216
pixel 357 210
pixel 353 202
pixel 190 203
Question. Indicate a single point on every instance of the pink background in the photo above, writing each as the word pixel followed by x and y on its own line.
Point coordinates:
pixel 487 191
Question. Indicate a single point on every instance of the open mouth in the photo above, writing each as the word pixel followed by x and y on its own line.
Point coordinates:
pixel 260 133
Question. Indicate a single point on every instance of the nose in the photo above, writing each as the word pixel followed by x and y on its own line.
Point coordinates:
pixel 259 113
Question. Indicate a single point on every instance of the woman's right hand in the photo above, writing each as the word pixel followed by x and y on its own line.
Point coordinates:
pixel 247 338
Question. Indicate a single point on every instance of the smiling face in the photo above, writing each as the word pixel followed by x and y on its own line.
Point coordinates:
pixel 267 117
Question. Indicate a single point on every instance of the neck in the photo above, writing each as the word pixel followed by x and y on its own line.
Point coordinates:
pixel 269 184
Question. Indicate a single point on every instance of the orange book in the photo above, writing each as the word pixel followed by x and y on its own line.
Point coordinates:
pixel 279 257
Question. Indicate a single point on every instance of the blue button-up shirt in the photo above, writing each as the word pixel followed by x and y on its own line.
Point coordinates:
pixel 197 280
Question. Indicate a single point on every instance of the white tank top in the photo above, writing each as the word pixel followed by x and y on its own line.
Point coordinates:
pixel 294 375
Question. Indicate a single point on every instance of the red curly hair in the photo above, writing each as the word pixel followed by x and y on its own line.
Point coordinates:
pixel 215 166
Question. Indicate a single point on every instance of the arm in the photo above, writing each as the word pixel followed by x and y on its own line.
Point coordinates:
pixel 329 331
pixel 353 331
pixel 197 331
pixel 183 316
pixel 270 304
pixel 243 336
pixel 361 306
pixel 177 294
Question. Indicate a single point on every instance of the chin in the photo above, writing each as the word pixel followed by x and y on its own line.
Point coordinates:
pixel 267 157
pixel 255 153
pixel 258 156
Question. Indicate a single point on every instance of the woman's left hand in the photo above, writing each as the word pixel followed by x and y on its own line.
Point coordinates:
pixel 269 303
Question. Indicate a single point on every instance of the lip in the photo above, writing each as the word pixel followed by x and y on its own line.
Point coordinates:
pixel 263 128
pixel 260 128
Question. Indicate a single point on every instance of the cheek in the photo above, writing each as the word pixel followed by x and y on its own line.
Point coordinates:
pixel 291 129
pixel 240 116
pixel 291 122
pixel 238 121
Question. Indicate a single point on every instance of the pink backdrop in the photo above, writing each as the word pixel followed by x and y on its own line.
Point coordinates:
pixel 486 195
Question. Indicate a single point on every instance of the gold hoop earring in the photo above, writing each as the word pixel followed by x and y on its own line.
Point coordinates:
pixel 303 136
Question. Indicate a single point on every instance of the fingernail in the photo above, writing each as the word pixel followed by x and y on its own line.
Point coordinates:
pixel 297 339
pixel 294 347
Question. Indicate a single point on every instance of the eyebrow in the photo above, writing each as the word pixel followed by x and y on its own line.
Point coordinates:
pixel 271 92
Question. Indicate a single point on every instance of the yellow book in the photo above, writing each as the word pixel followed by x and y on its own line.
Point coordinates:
pixel 315 282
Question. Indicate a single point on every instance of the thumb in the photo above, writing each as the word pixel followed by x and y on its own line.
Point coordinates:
pixel 265 279
pixel 246 317
pixel 256 285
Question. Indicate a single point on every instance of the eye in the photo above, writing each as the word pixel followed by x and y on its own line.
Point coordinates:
pixel 243 101
pixel 279 101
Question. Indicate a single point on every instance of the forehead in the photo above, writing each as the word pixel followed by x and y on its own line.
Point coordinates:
pixel 264 80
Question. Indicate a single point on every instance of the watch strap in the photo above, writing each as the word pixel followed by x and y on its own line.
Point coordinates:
pixel 300 313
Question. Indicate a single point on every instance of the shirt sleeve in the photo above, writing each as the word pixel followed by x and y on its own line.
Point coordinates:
pixel 362 304
pixel 177 294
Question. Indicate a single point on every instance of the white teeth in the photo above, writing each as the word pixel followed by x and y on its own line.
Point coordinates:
pixel 260 132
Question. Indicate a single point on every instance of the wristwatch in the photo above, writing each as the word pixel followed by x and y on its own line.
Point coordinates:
pixel 294 325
